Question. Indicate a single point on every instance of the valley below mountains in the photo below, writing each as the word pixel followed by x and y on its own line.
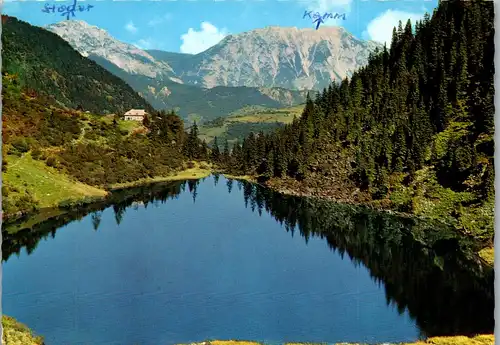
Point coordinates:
pixel 273 67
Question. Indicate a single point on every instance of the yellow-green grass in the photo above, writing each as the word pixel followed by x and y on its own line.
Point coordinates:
pixel 488 255
pixel 197 171
pixel 240 177
pixel 191 118
pixel 233 342
pixel 128 126
pixel 209 133
pixel 125 125
pixel 107 118
pixel 487 339
pixel 50 187
pixel 285 115
pixel 16 333
pixel 226 342
pixel 47 185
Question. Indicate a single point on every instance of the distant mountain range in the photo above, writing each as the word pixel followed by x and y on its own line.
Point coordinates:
pixel 303 59
pixel 272 67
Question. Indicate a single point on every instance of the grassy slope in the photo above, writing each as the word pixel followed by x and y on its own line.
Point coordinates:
pixel 16 333
pixel 57 156
pixel 47 185
pixel 190 171
pixel 284 115
pixel 457 340
pixel 488 255
pixel 250 115
pixel 50 187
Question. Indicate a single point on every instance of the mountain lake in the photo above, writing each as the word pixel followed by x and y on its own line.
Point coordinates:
pixel 189 261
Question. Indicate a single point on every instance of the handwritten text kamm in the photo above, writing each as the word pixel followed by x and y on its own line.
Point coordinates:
pixel 318 18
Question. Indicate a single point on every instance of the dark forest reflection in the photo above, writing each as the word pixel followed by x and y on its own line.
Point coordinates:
pixel 425 268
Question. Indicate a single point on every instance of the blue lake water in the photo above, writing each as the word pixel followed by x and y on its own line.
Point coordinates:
pixel 202 265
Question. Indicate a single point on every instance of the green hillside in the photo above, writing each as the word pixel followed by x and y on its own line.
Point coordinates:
pixel 248 119
pixel 45 63
pixel 412 131
pixel 55 155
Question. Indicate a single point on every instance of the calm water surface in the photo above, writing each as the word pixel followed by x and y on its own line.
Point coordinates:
pixel 202 264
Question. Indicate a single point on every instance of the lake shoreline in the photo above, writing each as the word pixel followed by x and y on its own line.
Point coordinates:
pixel 377 234
pixel 13 331
pixel 198 171
pixel 482 339
pixel 293 192
pixel 203 170
pixel 486 253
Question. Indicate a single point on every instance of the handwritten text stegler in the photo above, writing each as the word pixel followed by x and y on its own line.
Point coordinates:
pixel 66 10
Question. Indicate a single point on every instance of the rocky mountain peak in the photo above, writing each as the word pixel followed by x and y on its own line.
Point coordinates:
pixel 280 56
pixel 92 40
pixel 274 56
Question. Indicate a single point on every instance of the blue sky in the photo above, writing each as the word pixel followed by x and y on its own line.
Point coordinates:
pixel 191 26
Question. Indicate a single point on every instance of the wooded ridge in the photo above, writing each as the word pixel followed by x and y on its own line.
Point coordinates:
pixel 411 131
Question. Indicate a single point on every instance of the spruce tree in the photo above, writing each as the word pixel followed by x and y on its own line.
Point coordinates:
pixel 226 152
pixel 391 114
pixel 215 154
pixel 146 122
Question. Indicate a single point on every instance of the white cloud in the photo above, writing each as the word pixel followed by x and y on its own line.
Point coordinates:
pixel 194 42
pixel 159 20
pixel 380 28
pixel 147 43
pixel 130 27
pixel 329 5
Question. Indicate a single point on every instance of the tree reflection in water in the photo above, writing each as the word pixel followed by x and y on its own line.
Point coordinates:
pixel 426 268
